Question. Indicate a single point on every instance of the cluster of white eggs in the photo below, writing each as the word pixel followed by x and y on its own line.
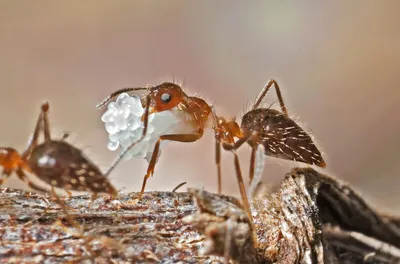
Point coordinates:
pixel 124 125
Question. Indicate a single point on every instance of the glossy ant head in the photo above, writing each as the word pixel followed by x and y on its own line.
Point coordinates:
pixel 55 162
pixel 165 96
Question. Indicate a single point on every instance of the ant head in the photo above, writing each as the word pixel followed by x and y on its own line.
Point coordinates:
pixel 165 96
pixel 226 131
pixel 9 159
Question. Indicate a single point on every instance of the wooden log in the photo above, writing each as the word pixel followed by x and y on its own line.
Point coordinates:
pixel 312 218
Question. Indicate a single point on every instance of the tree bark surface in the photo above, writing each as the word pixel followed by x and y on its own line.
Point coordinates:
pixel 312 218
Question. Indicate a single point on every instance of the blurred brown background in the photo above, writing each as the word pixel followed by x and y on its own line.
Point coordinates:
pixel 337 63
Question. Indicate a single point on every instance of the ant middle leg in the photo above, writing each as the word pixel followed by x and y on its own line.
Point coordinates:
pixel 264 92
pixel 178 138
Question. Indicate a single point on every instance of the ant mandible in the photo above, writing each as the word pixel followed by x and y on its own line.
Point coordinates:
pixel 56 162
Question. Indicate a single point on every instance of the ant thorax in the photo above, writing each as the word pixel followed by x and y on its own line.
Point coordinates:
pixel 124 125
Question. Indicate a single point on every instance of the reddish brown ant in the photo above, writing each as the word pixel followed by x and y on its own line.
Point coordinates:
pixel 280 135
pixel 56 162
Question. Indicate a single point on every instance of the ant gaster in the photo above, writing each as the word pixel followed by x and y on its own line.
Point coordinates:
pixel 55 162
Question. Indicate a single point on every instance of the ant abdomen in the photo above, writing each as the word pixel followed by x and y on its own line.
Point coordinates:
pixel 62 165
pixel 281 136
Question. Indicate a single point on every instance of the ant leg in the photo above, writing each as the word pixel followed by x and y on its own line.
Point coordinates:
pixel 218 162
pixel 46 125
pixel 69 218
pixel 241 186
pixel 264 92
pixel 122 154
pixel 30 184
pixel 233 147
pixel 217 149
pixel 178 138
pixel 33 141
pixel 254 147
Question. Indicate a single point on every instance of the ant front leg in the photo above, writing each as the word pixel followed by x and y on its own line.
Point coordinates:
pixel 178 138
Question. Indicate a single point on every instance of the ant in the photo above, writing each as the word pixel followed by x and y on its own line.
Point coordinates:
pixel 280 135
pixel 57 163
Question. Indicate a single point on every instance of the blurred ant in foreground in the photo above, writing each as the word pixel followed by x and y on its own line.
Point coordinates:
pixel 280 135
pixel 57 163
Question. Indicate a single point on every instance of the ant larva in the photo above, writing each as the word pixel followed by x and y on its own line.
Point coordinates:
pixel 55 162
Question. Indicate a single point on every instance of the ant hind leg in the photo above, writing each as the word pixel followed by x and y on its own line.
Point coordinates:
pixel 264 92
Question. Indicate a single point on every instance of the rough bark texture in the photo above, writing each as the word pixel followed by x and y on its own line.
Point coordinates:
pixel 312 218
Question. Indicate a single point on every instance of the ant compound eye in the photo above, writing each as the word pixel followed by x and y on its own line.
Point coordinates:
pixel 165 97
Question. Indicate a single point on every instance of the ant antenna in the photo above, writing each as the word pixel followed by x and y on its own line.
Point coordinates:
pixel 122 154
pixel 123 90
